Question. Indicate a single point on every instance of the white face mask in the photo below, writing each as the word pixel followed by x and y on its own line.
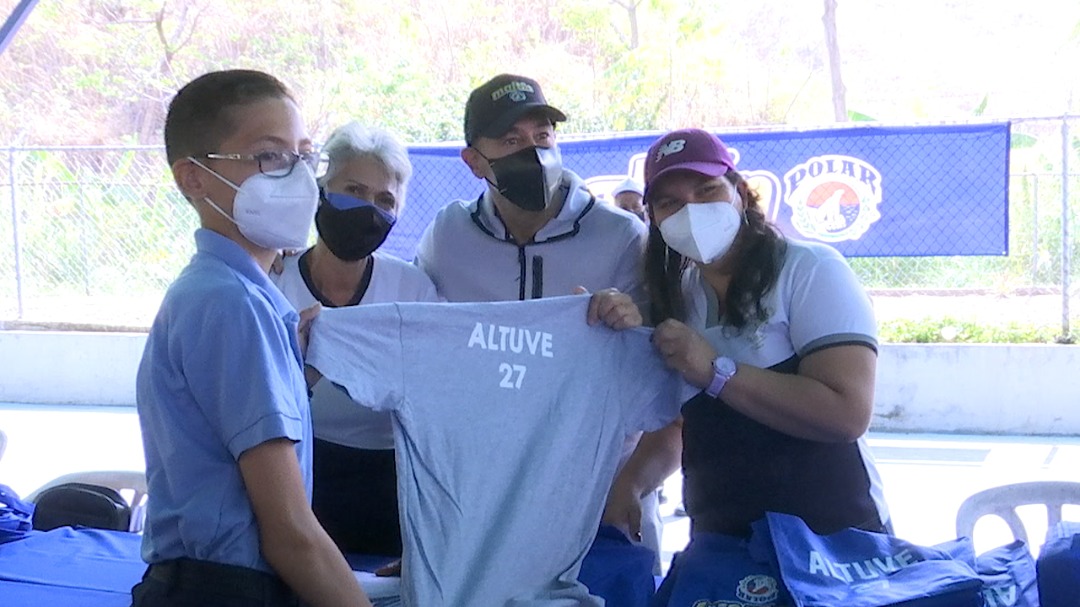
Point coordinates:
pixel 273 212
pixel 702 231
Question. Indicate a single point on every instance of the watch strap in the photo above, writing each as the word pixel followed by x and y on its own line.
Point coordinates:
pixel 723 370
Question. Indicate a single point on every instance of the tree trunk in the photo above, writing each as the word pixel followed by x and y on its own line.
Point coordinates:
pixel 631 6
pixel 838 91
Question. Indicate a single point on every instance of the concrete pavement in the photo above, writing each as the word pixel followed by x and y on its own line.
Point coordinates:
pixel 926 476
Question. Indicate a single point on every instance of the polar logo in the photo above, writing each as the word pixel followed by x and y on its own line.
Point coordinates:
pixel 758 589
pixel 833 197
pixel 669 148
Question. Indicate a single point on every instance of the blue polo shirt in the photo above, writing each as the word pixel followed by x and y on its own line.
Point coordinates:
pixel 221 373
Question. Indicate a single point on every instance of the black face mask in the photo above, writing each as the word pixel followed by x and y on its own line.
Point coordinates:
pixel 524 179
pixel 351 228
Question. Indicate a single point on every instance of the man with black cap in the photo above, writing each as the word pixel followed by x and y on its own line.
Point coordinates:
pixel 536 231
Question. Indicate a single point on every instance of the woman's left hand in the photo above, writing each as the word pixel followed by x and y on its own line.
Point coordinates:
pixel 685 351
pixel 613 308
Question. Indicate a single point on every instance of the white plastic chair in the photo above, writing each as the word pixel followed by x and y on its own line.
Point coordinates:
pixel 123 481
pixel 1003 502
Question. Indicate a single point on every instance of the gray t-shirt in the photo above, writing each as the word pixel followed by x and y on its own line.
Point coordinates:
pixel 509 418
pixel 334 417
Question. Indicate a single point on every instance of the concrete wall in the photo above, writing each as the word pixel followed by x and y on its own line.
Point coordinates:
pixel 999 389
pixel 59 367
pixel 995 389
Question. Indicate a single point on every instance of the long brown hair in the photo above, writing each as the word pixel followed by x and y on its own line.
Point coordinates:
pixel 759 253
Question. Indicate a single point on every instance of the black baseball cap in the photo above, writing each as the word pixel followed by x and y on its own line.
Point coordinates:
pixel 496 105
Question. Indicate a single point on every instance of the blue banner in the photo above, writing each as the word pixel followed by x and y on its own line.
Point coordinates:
pixel 867 191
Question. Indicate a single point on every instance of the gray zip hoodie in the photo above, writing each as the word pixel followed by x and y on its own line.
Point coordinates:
pixel 470 256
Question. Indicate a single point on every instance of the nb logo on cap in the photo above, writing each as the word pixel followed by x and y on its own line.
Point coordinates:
pixel 669 148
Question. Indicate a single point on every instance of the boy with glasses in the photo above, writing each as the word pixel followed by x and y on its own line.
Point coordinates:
pixel 222 398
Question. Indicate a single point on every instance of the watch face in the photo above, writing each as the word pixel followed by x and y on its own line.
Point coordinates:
pixel 725 366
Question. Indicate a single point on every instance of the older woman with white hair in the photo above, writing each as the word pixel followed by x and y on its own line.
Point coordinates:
pixel 354 482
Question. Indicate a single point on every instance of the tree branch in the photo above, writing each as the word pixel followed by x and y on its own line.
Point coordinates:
pixel 833 48
pixel 630 6
pixel 798 93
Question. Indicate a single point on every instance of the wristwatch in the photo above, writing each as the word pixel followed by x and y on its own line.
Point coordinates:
pixel 723 369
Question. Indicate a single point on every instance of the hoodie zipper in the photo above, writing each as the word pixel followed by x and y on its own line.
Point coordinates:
pixel 521 268
pixel 538 262
pixel 538 277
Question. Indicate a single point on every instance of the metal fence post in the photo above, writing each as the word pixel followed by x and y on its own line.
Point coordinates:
pixel 1065 248
pixel 1031 192
pixel 83 249
pixel 15 236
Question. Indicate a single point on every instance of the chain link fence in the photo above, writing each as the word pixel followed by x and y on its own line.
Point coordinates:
pixel 92 237
pixel 1030 290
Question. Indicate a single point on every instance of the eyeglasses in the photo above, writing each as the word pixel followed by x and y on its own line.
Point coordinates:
pixel 280 164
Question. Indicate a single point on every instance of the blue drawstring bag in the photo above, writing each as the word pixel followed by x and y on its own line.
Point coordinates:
pixel 631 584
pixel 856 568
pixel 1058 567
pixel 1008 575
pixel 720 570
pixel 16 516
pixel 1008 572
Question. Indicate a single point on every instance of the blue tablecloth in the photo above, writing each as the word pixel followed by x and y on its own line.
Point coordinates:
pixel 24 594
pixel 93 568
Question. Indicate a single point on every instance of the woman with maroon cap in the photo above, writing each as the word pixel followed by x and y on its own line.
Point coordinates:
pixel 780 337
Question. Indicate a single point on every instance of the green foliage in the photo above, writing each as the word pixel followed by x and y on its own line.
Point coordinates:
pixel 1020 141
pixel 114 225
pixel 982 106
pixel 952 330
pixel 105 72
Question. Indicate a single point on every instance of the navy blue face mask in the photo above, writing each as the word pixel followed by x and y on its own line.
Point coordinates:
pixel 351 228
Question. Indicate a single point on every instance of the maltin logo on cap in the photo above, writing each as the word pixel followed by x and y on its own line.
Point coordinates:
pixel 516 90
pixel 833 197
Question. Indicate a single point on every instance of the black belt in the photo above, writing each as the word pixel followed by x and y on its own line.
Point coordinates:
pixel 224 580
